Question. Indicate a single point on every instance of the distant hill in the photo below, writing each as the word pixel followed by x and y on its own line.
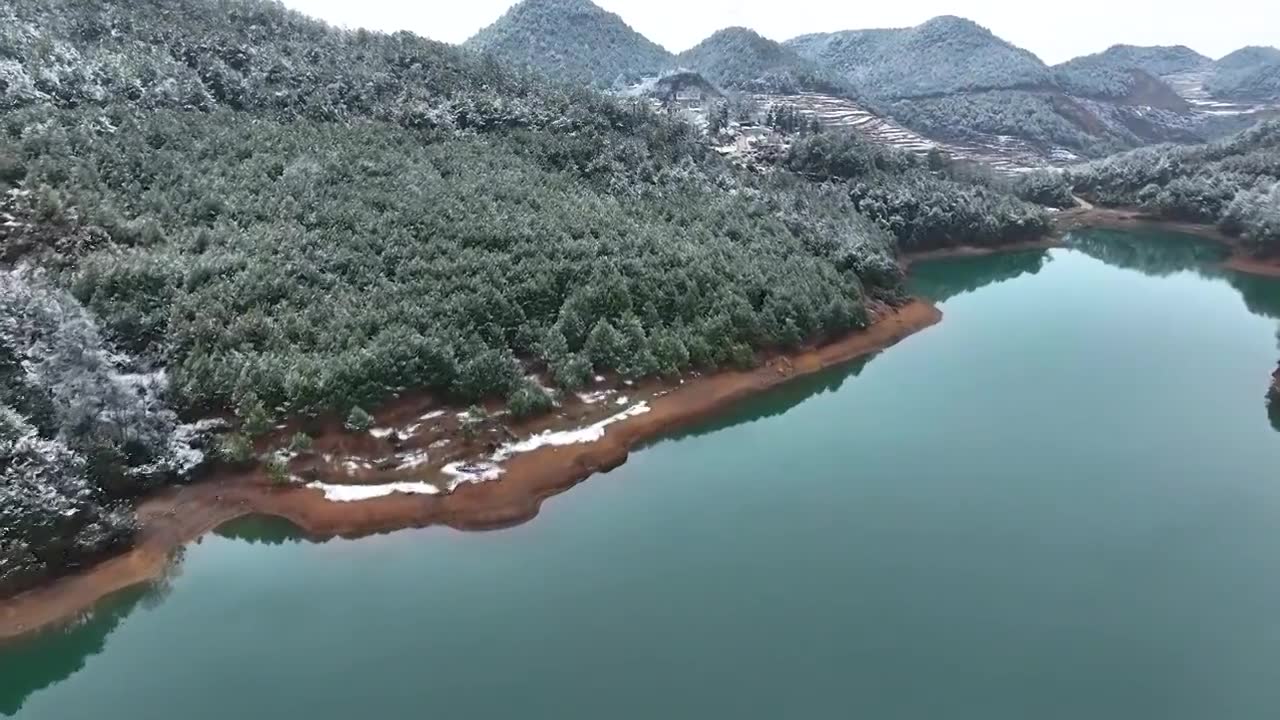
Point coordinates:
pixel 741 59
pixel 571 41
pixel 944 55
pixel 1158 60
pixel 1249 73
pixel 1247 58
pixel 1130 74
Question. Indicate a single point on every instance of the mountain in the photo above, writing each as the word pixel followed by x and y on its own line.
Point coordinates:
pixel 571 41
pixel 1130 75
pixel 944 55
pixel 741 59
pixel 1157 60
pixel 1248 58
pixel 1251 73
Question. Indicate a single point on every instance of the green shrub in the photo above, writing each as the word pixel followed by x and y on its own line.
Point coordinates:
pixel 300 443
pixel 528 400
pixel 572 372
pixel 277 471
pixel 255 421
pixel 12 171
pixel 358 420
pixel 235 449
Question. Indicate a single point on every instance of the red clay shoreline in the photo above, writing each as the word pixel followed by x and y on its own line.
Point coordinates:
pixel 181 515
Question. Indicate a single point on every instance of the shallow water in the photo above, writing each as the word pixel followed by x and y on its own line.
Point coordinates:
pixel 1062 502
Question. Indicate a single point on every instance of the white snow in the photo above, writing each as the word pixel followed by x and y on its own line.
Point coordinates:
pixel 356 493
pixel 592 398
pixel 622 400
pixel 434 414
pixel 354 465
pixel 590 433
pixel 382 433
pixel 474 473
pixel 409 461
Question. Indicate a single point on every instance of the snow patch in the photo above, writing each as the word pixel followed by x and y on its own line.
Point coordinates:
pixel 355 465
pixel 382 433
pixel 472 473
pixel 588 434
pixel 357 493
pixel 412 460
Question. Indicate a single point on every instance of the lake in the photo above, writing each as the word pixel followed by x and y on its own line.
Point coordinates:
pixel 1061 502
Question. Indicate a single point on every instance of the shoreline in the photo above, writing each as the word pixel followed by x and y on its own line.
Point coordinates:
pixel 178 516
pixel 969 251
pixel 1239 260
pixel 1087 217
pixel 181 515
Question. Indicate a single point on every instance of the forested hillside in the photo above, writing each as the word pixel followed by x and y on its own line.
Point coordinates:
pixel 1251 73
pixel 924 208
pixel 1043 118
pixel 944 55
pixel 740 59
pixel 572 41
pixel 224 209
pixel 1157 60
pixel 1130 74
pixel 287 218
pixel 1234 183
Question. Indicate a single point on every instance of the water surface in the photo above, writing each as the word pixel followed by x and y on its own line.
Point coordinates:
pixel 1062 502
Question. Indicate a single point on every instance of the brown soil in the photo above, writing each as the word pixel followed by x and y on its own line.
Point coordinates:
pixel 181 515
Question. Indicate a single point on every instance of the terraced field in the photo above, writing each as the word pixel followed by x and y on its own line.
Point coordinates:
pixel 1002 152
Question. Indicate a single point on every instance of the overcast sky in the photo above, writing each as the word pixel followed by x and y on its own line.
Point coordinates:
pixel 1055 31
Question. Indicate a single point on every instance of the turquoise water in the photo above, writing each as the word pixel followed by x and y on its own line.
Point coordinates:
pixel 1062 502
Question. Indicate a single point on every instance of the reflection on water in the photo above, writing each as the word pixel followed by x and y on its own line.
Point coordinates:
pixel 940 281
pixel 261 530
pixel 1261 294
pixel 1273 410
pixel 1160 254
pixel 777 400
pixel 32 664
pixel 1155 253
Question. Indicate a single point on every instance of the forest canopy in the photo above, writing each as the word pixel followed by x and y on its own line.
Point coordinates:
pixel 572 41
pixel 224 209
pixel 1234 183
pixel 740 59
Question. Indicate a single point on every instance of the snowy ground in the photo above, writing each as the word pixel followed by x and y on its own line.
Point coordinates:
pixel 1191 87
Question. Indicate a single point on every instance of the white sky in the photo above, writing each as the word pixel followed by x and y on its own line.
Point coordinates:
pixel 1055 31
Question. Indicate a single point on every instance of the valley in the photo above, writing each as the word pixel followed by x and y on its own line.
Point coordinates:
pixel 253 264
